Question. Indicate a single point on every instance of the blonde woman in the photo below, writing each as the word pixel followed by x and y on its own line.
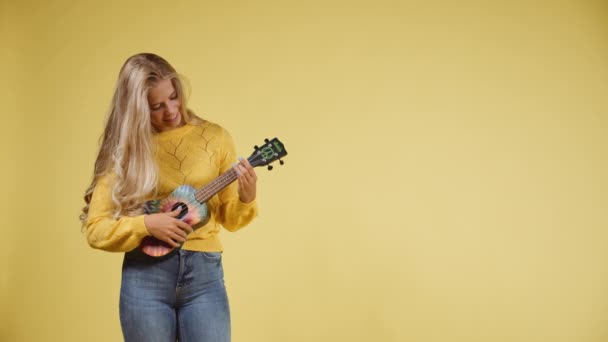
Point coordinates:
pixel 152 144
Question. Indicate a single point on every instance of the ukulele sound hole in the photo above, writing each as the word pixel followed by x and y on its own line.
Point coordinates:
pixel 183 209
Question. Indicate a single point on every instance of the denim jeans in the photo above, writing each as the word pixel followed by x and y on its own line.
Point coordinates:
pixel 180 296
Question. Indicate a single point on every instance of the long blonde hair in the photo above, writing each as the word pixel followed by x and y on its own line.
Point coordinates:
pixel 126 147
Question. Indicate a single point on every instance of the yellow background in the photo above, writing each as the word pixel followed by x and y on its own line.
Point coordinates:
pixel 447 175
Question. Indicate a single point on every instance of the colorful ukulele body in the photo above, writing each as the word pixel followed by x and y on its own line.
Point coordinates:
pixel 193 202
pixel 192 212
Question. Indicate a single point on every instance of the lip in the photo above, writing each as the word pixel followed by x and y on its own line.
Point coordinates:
pixel 173 118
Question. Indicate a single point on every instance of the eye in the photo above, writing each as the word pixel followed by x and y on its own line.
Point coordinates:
pixel 174 96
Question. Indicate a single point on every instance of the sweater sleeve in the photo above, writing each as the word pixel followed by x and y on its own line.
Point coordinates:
pixel 232 213
pixel 103 230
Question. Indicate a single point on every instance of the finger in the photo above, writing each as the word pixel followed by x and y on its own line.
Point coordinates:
pixel 242 172
pixel 246 191
pixel 239 173
pixel 178 231
pixel 245 163
pixel 249 175
pixel 236 168
pixel 175 236
pixel 171 242
pixel 175 212
pixel 184 226
pixel 244 183
pixel 248 167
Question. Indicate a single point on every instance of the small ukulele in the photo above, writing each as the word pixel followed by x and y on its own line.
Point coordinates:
pixel 193 203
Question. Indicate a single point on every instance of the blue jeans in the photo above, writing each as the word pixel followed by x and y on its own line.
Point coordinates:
pixel 180 296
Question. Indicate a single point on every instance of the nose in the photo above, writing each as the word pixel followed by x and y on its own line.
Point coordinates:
pixel 172 108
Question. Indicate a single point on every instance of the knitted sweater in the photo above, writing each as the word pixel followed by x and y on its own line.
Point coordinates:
pixel 193 155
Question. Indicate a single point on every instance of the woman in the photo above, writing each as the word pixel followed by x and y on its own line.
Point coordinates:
pixel 152 144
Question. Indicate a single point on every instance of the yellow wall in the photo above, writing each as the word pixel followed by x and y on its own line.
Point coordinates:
pixel 447 177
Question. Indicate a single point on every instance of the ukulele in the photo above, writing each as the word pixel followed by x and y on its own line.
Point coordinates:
pixel 193 203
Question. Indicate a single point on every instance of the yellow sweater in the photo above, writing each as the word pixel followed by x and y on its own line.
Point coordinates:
pixel 193 155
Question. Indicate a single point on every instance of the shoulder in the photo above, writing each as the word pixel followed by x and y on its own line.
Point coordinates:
pixel 212 130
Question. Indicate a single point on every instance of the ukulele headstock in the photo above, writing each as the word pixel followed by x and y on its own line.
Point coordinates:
pixel 267 153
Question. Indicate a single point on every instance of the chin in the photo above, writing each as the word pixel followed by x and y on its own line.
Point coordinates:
pixel 179 121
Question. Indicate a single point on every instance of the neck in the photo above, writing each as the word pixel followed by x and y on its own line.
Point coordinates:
pixel 205 193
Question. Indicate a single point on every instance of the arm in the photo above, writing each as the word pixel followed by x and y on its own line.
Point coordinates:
pixel 103 230
pixel 233 212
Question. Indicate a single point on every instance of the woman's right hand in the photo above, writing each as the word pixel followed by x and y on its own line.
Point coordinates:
pixel 165 227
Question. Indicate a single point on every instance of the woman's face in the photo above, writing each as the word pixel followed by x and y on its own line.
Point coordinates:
pixel 164 106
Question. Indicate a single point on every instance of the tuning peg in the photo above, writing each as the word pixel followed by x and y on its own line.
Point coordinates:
pixel 255 147
pixel 281 162
pixel 266 141
pixel 269 167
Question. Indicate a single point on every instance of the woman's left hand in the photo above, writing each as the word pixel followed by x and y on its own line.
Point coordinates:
pixel 247 180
